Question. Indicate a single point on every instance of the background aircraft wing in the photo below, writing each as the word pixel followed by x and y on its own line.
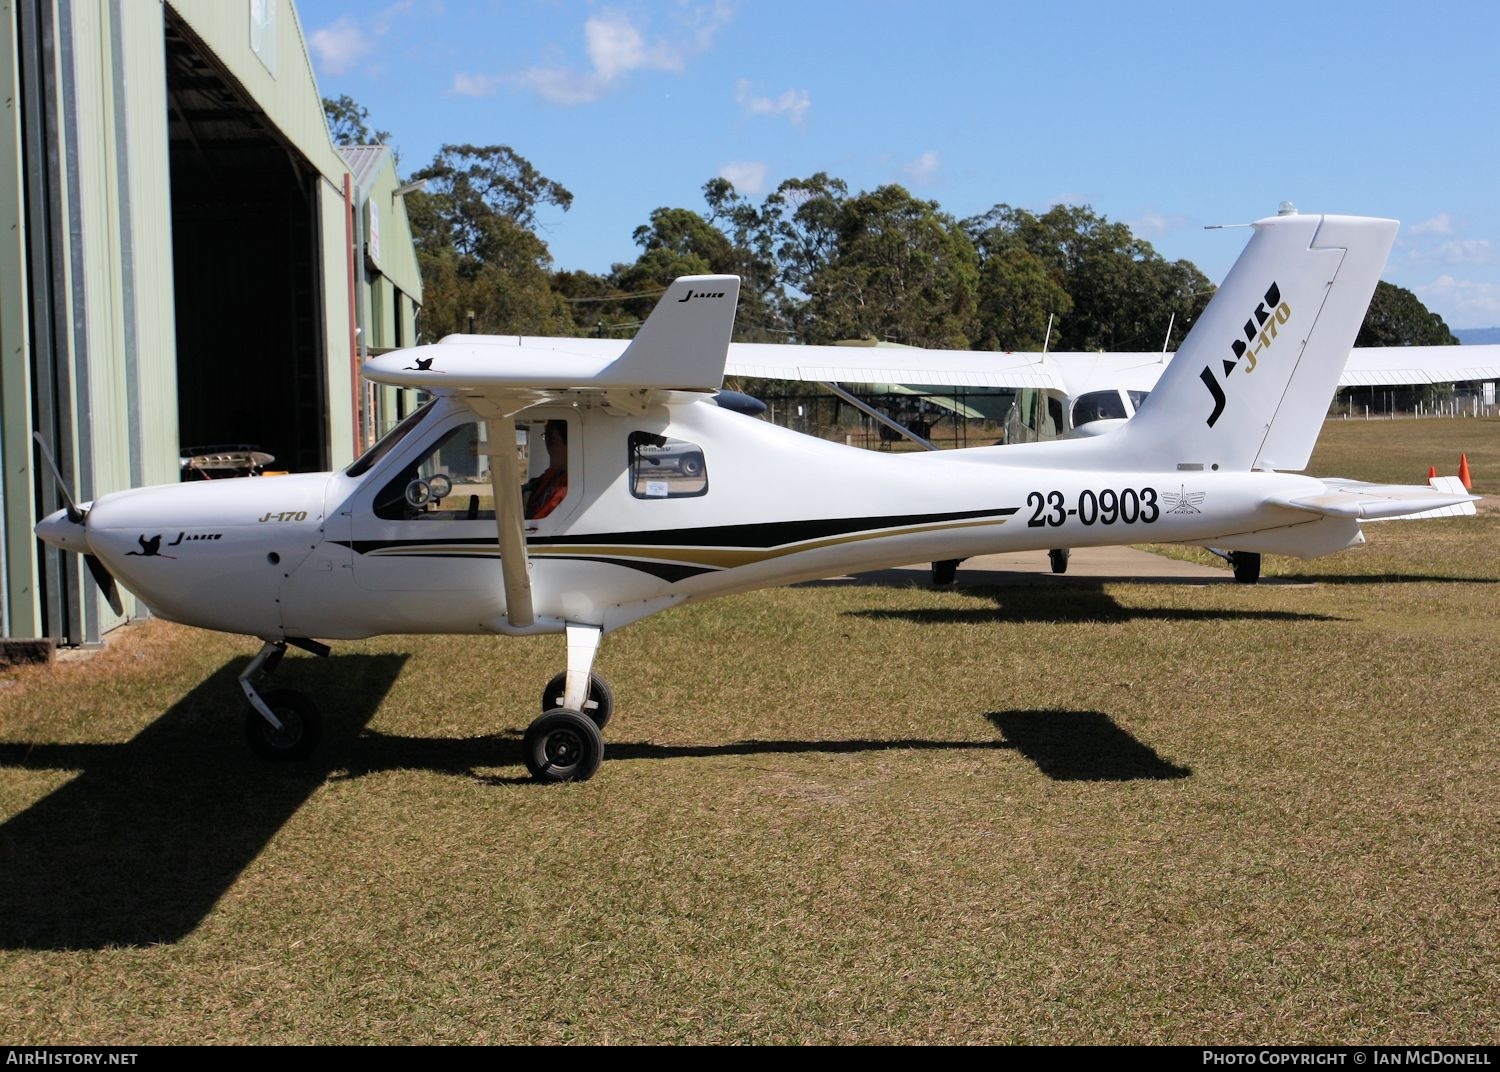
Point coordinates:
pixel 1074 372
pixel 892 364
pixel 1391 366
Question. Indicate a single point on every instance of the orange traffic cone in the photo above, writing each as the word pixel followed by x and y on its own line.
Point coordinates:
pixel 1463 471
pixel 1431 473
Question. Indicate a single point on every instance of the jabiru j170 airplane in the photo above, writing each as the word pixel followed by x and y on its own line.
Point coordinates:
pixel 548 489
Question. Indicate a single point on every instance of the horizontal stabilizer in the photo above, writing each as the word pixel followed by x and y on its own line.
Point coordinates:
pixel 1385 502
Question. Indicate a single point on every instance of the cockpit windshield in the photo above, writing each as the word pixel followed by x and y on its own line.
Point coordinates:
pixel 386 443
pixel 1097 406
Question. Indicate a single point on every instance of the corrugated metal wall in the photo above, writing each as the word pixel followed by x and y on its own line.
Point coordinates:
pixel 86 210
pixel 141 157
pixel 20 608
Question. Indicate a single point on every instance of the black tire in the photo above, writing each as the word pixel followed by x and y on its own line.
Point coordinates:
pixel 1246 566
pixel 599 705
pixel 945 572
pixel 563 746
pixel 1059 559
pixel 302 727
pixel 691 465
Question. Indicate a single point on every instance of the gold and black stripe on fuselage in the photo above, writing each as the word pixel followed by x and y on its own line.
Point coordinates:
pixel 676 554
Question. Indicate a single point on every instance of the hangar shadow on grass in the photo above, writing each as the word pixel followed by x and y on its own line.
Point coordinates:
pixel 139 847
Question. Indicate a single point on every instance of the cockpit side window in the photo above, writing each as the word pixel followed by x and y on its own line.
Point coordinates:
pixel 450 482
pixel 386 443
pixel 1054 425
pixel 663 468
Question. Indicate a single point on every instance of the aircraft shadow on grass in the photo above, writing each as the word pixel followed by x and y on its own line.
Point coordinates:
pixel 1064 745
pixel 151 833
pixel 140 845
pixel 1081 603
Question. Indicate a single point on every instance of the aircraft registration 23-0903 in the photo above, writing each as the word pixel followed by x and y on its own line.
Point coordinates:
pixel 574 486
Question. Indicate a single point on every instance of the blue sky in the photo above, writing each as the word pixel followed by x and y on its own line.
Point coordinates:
pixel 1167 116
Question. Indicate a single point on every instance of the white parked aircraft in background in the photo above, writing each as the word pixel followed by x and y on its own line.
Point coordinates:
pixel 1066 393
pixel 648 495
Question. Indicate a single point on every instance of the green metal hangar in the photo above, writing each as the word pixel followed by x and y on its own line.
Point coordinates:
pixel 185 259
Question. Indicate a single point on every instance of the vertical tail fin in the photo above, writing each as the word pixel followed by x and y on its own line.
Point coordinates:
pixel 1252 381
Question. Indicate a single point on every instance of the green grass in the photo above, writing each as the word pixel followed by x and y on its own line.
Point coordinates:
pixel 830 814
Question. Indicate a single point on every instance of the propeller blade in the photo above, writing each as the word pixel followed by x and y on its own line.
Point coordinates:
pixel 75 515
pixel 106 582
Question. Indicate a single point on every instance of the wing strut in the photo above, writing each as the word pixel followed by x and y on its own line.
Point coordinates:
pixel 871 411
pixel 505 480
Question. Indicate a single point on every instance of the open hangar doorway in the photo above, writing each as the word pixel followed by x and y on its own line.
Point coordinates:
pixel 251 367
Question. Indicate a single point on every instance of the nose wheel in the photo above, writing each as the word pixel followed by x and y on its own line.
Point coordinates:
pixel 282 725
pixel 301 726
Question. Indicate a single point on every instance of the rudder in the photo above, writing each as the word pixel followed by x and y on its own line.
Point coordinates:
pixel 1253 380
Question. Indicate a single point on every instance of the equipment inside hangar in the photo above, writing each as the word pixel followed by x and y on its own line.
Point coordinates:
pixel 250 361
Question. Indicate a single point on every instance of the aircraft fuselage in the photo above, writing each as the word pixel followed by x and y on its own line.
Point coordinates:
pixel 318 555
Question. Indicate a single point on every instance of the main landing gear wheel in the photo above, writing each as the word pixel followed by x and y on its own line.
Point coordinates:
pixel 599 705
pixel 1246 566
pixel 301 726
pixel 563 746
pixel 1059 559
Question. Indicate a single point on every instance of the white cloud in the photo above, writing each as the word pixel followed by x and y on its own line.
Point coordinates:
pixel 1440 241
pixel 1153 224
pixel 338 47
pixel 1465 251
pixel 475 85
pixel 924 168
pixel 748 176
pixel 1462 302
pixel 793 103
pixel 1441 224
pixel 616 48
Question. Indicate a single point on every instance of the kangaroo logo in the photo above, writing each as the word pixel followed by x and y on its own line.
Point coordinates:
pixel 1260 333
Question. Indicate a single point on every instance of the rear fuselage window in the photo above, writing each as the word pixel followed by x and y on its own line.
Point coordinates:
pixel 664 468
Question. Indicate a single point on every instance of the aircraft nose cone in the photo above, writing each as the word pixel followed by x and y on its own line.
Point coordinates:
pixel 59 531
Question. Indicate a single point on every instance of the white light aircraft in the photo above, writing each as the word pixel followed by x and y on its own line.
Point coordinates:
pixel 1063 394
pixel 649 495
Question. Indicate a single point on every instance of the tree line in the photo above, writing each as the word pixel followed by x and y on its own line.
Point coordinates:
pixel 818 264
